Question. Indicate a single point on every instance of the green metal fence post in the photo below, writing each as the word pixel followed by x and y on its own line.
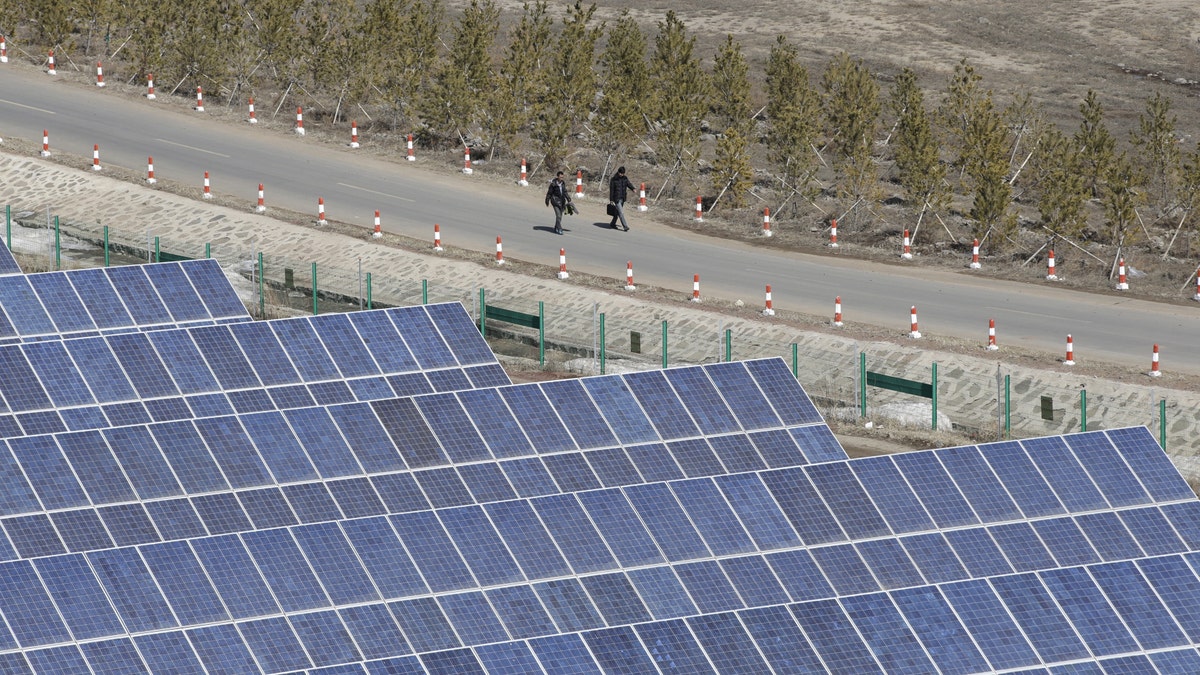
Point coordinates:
pixel 728 345
pixel 157 250
pixel 1007 408
pixel 482 314
pixel 57 245
pixel 542 333
pixel 106 246
pixel 424 291
pixel 314 275
pixel 603 348
pixel 262 299
pixel 664 345
pixel 1162 423
pixel 862 382
pixel 795 360
pixel 934 397
pixel 8 226
pixel 1083 409
pixel 368 290
pixel 207 250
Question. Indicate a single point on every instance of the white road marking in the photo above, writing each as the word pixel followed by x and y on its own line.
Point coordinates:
pixel 27 107
pixel 381 194
pixel 190 147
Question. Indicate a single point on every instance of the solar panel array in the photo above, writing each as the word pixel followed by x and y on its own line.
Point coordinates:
pixel 203 371
pixel 8 264
pixel 698 519
pixel 82 303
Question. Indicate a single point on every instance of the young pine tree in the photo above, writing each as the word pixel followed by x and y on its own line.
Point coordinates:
pixel 732 173
pixel 794 113
pixel 521 73
pixel 987 165
pixel 625 88
pixel 569 88
pixel 1096 144
pixel 1121 197
pixel 963 97
pixel 916 149
pixel 682 93
pixel 1061 187
pixel 731 87
pixel 1155 136
pixel 852 111
pixel 466 76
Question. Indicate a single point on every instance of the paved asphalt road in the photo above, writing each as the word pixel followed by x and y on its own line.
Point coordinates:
pixel 296 171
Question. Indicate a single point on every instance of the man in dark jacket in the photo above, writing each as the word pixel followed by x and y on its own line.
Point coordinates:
pixel 617 188
pixel 557 196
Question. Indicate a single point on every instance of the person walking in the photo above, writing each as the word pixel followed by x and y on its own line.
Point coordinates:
pixel 558 197
pixel 618 186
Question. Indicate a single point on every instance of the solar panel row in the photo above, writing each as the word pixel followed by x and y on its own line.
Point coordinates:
pixel 131 378
pixel 50 305
pixel 8 264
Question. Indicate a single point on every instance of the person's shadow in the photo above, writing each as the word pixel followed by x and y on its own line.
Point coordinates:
pixel 604 225
pixel 549 228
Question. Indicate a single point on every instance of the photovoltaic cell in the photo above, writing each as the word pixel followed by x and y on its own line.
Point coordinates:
pixel 66 309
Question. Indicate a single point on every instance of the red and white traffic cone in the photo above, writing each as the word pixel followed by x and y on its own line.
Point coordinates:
pixel 629 277
pixel 642 198
pixel 437 237
pixel 769 310
pixel 975 256
pixel 991 345
pixel 96 157
pixel 378 232
pixel 1050 275
pixel 411 158
pixel 524 182
pixel 3 50
pixel 1197 295
pixel 262 206
pixel 99 74
pixel 499 251
pixel 695 288
pixel 321 211
pixel 1154 372
pixel 767 222
pixel 699 217
pixel 833 233
pixel 207 187
pixel 46 153
pixel 354 134
pixel 50 64
pixel 299 121
pixel 150 171
pixel 837 312
pixel 1122 283
pixel 467 161
pixel 906 250
pixel 562 264
pixel 150 86
pixel 913 333
pixel 1070 360
pixel 250 104
pixel 199 98
pixel 579 183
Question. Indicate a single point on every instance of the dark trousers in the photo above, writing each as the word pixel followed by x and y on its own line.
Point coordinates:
pixel 620 214
pixel 558 211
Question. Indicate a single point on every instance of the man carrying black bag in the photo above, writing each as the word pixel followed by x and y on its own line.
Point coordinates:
pixel 618 186
pixel 557 196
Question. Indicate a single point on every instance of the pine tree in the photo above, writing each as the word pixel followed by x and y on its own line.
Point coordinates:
pixel 1120 199
pixel 52 24
pixel 682 93
pixel 620 113
pixel 960 105
pixel 731 87
pixel 569 88
pixel 198 37
pixel 336 46
pixel 1096 144
pixel 522 72
pixel 1155 135
pixel 96 18
pixel 1062 192
pixel 277 32
pixel 917 152
pixel 412 55
pixel 1189 187
pixel 852 111
pixel 987 165
pixel 793 110
pixel 459 88
pixel 148 41
pixel 732 173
